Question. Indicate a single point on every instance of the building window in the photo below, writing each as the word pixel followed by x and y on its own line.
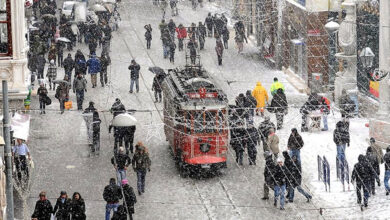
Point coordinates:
pixel 5 28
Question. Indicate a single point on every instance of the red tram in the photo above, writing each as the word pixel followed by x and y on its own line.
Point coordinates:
pixel 195 118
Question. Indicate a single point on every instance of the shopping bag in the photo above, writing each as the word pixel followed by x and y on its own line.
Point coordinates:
pixel 47 100
pixel 52 217
pixel 68 105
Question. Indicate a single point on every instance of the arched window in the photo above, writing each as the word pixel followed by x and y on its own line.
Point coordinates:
pixel 5 28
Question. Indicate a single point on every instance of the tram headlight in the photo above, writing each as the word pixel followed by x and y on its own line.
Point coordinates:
pixel 205 147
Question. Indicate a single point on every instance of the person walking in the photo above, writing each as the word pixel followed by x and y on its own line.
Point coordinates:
pixel 273 143
pixel 192 45
pixel 252 140
pixel 79 87
pixel 264 130
pixel 312 104
pixel 62 93
pixel 295 144
pixel 128 136
pixel 225 36
pixel 80 63
pixel 129 198
pixel 41 61
pixel 112 194
pixel 347 105
pixel 279 183
pixel 237 142
pixel 77 207
pixel 294 177
pixel 219 50
pixel 42 93
pixel 181 35
pixel 268 174
pixel 69 64
pixel 386 159
pixel 62 207
pixel 201 35
pixel 96 132
pixel 172 48
pixel 20 154
pixel 120 162
pixel 239 42
pixel 141 163
pixel 52 74
pixel 43 208
pixel 52 54
pixel 280 107
pixel 377 151
pixel 374 169
pixel 60 54
pixel 261 97
pixel 156 87
pixel 361 175
pixel 275 86
pixel 209 24
pixel 250 106
pixel 166 42
pixel 148 35
pixel 105 61
pixel 94 67
pixel 325 110
pixel 341 139
pixel 171 28
pixel 134 75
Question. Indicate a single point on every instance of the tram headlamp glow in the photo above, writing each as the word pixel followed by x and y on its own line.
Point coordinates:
pixel 205 147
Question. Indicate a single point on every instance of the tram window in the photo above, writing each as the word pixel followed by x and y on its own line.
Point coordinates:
pixel 221 121
pixel 210 119
pixel 198 121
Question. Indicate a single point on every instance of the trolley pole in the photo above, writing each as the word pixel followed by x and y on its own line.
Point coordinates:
pixel 7 153
pixel 279 43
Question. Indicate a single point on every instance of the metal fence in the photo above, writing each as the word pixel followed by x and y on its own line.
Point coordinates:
pixel 324 171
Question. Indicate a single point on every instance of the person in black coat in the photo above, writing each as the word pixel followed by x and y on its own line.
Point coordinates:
pixel 237 142
pixel 268 174
pixel 279 106
pixel 129 198
pixel 148 35
pixel 77 207
pixel 120 214
pixel 252 139
pixel 294 177
pixel 361 174
pixel 128 136
pixel 62 207
pixel 264 129
pixel 280 180
pixel 112 194
pixel 312 104
pixel 134 75
pixel 240 103
pixel 295 143
pixel 96 131
pixel 80 63
pixel 347 105
pixel 341 139
pixel 156 87
pixel 43 208
pixel 120 162
pixel 250 105
pixel 374 168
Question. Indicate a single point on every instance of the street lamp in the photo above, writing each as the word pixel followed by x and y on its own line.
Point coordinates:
pixel 332 28
pixel 367 57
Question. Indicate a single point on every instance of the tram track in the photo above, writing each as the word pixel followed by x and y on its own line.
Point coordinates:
pixel 195 183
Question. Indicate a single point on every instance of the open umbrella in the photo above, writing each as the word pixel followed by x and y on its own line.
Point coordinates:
pixel 58 81
pixel 63 39
pixel 124 120
pixel 109 1
pixel 48 16
pixel 98 8
pixel 157 70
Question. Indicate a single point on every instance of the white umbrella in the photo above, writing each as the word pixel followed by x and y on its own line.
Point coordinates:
pixel 109 1
pixel 64 39
pixel 124 120
pixel 98 8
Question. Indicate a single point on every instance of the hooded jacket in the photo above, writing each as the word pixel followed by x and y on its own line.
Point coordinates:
pixel 93 65
pixel 361 172
pixel 386 159
pixel 273 143
pixel 340 134
pixel 260 95
pixel 275 86
pixel 295 142
pixel 279 102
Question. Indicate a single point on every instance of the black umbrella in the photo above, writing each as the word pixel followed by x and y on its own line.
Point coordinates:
pixel 157 70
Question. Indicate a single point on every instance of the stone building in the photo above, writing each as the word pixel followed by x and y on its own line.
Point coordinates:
pixel 13 48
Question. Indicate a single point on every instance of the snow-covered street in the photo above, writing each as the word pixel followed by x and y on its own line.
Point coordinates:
pixel 59 148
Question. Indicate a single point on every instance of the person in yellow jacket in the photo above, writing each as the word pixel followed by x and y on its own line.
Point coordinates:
pixel 275 86
pixel 261 97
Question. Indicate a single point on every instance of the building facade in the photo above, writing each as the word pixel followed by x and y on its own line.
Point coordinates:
pixel 13 48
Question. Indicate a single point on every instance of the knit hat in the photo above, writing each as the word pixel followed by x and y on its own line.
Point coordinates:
pixel 125 181
pixel 279 160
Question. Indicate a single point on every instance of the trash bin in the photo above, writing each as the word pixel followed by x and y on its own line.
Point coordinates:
pixel 316 83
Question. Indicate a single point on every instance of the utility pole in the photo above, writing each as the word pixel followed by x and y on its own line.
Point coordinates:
pixel 279 43
pixel 7 153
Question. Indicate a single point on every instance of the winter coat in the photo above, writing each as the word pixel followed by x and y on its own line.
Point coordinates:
pixel 162 27
pixel 41 63
pixel 171 26
pixel 192 45
pixel 157 81
pixel 373 162
pixel 112 193
pixel 121 161
pixel 312 104
pixel 105 61
pixel 69 64
pixel 386 159
pixel 128 133
pixel 347 106
pixel 273 143
pixel 117 108
pixel 78 209
pixel 250 102
pixel 134 71
pixel 42 92
pixel 377 151
pixel 79 84
pixel 148 35
pixel 237 140
pixel 275 86
pixel 264 128
pixel 93 65
pixel 295 142
pixel 129 197
pixel 225 34
pixel 269 170
pixel 325 105
pixel 43 210
pixel 202 31
pixel 62 91
pixel 280 175
pixel 279 103
pixel 52 53
pixel 260 95
pixel 361 171
pixel 52 71
pixel 141 161
pixel 181 33
pixel 252 137
pixel 293 173
pixel 80 63
pixel 219 48
pixel 340 134
pixel 120 214
pixel 62 210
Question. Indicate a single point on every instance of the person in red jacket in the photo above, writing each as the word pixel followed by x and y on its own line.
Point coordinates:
pixel 325 110
pixel 181 35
